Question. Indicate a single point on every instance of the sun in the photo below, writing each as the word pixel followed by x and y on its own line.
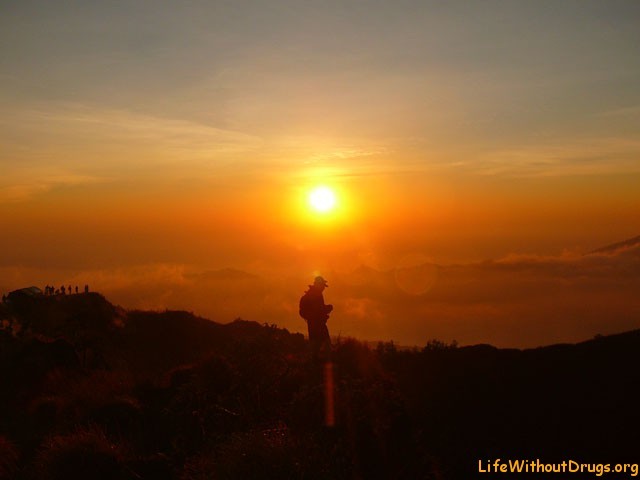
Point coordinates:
pixel 322 199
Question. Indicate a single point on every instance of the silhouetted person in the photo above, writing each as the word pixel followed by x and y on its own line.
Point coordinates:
pixel 76 288
pixel 70 291
pixel 316 314
pixel 63 290
pixel 86 289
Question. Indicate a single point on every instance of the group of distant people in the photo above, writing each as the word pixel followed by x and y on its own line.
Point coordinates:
pixel 51 290
pixel 312 308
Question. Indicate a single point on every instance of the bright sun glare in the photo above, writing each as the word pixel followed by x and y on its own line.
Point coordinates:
pixel 322 199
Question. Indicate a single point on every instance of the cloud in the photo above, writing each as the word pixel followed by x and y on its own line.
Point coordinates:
pixel 82 141
pixel 86 123
pixel 64 144
pixel 627 247
pixel 514 301
pixel 630 111
pixel 518 300
pixel 587 156
pixel 24 184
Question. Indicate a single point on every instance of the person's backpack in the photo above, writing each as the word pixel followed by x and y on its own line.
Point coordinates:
pixel 305 306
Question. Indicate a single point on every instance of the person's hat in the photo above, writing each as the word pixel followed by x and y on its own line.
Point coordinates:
pixel 320 281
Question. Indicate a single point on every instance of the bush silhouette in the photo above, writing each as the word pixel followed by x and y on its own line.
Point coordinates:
pixel 85 453
pixel 9 457
pixel 179 396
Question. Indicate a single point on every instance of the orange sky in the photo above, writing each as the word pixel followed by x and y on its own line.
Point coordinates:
pixel 148 145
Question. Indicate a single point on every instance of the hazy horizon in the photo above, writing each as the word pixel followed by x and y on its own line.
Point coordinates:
pixel 515 301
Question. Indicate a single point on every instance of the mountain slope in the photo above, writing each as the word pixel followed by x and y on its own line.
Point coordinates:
pixel 179 397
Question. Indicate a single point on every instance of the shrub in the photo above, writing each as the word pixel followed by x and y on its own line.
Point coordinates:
pixel 9 457
pixel 85 453
pixel 268 453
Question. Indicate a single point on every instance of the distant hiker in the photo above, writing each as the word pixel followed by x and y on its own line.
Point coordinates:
pixel 86 289
pixel 70 291
pixel 76 288
pixel 316 314
pixel 63 290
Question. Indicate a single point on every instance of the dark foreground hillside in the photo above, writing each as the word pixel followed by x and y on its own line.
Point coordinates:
pixel 88 390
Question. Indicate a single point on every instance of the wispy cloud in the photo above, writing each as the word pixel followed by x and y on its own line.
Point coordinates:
pixel 589 156
pixel 28 183
pixel 630 111
pixel 72 144
pixel 88 124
